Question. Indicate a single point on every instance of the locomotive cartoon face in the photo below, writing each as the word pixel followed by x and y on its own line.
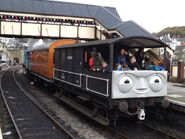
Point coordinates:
pixel 138 84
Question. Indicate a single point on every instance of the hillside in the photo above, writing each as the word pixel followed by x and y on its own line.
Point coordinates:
pixel 173 31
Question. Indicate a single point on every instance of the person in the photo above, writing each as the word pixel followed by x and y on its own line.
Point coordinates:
pixel 9 62
pixel 167 64
pixel 127 56
pixel 105 66
pixel 91 60
pixel 154 66
pixel 121 59
pixel 14 62
pixel 159 67
pixel 97 62
pixel 140 57
pixel 133 65
pixel 125 67
pixel 118 67
pixel 150 65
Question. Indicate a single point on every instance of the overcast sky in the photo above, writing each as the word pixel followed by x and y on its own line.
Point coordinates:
pixel 153 15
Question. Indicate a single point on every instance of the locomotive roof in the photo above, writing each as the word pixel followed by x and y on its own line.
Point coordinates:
pixel 106 16
pixel 132 42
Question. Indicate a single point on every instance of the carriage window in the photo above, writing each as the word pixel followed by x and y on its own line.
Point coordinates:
pixel 97 58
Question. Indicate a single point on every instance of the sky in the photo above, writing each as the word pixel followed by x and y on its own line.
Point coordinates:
pixel 153 15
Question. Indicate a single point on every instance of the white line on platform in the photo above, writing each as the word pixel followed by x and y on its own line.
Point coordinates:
pixel 176 102
pixel 175 95
pixel 1 137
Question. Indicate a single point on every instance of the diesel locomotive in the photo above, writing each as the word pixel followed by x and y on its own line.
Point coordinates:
pixel 101 95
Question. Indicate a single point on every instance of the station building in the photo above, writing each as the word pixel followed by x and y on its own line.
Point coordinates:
pixel 62 20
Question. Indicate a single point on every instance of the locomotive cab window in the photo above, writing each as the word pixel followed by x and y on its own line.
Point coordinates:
pixel 96 58
pixel 136 58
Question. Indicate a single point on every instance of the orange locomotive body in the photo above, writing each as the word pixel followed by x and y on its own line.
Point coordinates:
pixel 41 58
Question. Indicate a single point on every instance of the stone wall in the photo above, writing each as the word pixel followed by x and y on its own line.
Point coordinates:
pixel 16 53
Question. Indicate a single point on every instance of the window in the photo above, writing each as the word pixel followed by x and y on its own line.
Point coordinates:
pixel 96 58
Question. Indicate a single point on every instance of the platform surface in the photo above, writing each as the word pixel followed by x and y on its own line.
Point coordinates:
pixel 1 137
pixel 176 91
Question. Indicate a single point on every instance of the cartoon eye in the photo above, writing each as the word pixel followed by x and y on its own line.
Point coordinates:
pixel 125 84
pixel 156 83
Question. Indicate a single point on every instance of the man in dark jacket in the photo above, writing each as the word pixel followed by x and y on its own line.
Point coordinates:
pixel 133 65
pixel 141 57
pixel 122 59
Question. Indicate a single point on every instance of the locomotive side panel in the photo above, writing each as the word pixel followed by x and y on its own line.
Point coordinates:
pixel 51 53
pixel 71 68
pixel 68 68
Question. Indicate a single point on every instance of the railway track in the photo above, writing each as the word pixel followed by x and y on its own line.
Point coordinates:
pixel 132 130
pixel 160 132
pixel 141 130
pixel 31 119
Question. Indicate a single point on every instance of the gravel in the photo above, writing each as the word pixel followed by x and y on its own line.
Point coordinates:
pixel 85 127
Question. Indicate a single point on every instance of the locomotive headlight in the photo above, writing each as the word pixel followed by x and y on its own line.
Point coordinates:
pixel 125 84
pixel 156 83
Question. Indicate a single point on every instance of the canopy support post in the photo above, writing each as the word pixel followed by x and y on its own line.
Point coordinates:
pixel 111 56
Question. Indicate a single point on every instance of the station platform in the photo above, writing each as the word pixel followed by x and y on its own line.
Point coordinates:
pixel 176 93
pixel 1 136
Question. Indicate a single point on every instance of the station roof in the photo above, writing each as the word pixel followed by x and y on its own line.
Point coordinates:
pixel 107 16
pixel 130 42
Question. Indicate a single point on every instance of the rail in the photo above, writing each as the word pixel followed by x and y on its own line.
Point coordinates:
pixel 43 110
pixel 129 129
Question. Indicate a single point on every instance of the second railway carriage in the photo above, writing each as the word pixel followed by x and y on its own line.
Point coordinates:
pixel 111 94
pixel 41 59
